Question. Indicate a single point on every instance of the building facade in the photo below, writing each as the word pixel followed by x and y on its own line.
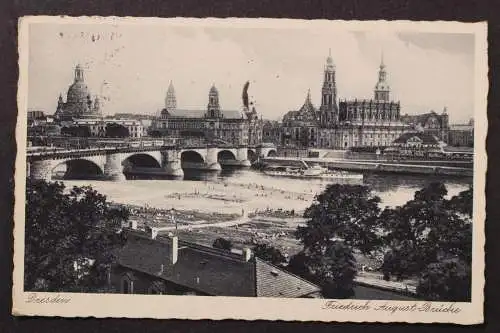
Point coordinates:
pixel 97 126
pixel 213 124
pixel 271 132
pixel 300 128
pixel 431 123
pixel 360 122
pixel 461 135
pixel 347 123
pixel 79 102
pixel 415 145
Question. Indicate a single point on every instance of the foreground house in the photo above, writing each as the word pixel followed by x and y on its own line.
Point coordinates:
pixel 155 264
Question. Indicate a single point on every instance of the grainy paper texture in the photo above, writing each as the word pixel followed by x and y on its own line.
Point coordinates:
pixel 126 66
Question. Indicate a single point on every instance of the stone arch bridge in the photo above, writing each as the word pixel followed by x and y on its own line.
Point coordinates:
pixel 112 163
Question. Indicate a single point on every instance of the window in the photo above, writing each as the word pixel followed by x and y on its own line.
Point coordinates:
pixel 127 285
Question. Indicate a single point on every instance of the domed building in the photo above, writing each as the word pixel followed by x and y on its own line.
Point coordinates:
pixel 79 102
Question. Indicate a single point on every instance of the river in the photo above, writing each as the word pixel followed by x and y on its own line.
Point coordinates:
pixel 232 191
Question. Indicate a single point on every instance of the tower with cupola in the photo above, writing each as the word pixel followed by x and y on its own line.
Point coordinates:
pixel 213 107
pixel 382 88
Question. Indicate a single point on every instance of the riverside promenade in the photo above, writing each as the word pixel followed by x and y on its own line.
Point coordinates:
pixel 375 166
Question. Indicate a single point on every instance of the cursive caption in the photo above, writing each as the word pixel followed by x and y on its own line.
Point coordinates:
pixel 392 307
pixel 55 299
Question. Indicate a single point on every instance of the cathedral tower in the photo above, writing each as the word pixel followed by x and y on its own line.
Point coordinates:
pixel 382 88
pixel 213 108
pixel 329 90
pixel 170 100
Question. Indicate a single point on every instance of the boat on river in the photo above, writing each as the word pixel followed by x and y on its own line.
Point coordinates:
pixel 306 171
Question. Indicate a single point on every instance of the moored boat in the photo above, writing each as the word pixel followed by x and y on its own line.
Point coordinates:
pixel 315 171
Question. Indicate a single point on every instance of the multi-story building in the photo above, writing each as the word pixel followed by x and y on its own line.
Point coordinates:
pixel 461 135
pixel 359 122
pixel 212 124
pixel 79 102
pixel 431 123
pixel 271 132
pixel 415 144
pixel 349 123
pixel 97 126
pixel 299 128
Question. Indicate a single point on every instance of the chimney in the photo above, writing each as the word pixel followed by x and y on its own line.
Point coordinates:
pixel 247 254
pixel 174 249
pixel 153 232
pixel 132 225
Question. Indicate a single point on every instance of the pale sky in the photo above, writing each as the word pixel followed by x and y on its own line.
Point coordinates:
pixel 130 66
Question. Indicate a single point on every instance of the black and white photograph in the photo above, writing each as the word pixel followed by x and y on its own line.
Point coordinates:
pixel 283 165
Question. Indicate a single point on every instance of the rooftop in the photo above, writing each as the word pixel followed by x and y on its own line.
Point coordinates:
pixel 209 270
pixel 422 137
pixel 184 113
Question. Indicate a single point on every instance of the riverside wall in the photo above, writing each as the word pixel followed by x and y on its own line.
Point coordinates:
pixel 376 166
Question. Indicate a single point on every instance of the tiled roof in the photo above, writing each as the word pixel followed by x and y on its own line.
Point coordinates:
pixel 208 270
pixel 184 113
pixel 274 282
pixel 196 268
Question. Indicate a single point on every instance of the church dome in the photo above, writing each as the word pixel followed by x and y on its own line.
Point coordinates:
pixel 78 92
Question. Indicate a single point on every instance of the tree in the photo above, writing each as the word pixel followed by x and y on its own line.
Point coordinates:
pixel 347 212
pixel 448 280
pixel 269 254
pixel 69 237
pixel 114 130
pixel 223 244
pixel 426 230
pixel 334 270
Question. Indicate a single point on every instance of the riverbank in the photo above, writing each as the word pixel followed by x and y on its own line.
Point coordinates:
pixel 206 197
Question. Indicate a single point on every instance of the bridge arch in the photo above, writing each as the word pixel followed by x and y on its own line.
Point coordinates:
pixel 78 168
pixel 191 156
pixel 141 160
pixel 225 155
pixel 272 153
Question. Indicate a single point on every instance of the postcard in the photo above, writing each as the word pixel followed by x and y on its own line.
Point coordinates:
pixel 251 169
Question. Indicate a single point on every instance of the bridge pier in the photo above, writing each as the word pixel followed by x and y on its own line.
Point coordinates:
pixel 113 169
pixel 40 170
pixel 211 162
pixel 242 157
pixel 172 163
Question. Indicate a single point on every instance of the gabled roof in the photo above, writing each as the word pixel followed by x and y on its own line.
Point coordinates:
pixel 425 138
pixel 274 282
pixel 422 118
pixel 208 270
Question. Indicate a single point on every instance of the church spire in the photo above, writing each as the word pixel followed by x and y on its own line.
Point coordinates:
pixel 170 99
pixel 329 90
pixel 382 87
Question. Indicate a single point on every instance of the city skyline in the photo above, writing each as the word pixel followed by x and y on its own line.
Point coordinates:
pixel 281 65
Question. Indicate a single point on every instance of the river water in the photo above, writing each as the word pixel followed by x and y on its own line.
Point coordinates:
pixel 232 191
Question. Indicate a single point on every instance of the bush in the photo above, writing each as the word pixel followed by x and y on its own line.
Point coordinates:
pixel 223 244
pixel 269 254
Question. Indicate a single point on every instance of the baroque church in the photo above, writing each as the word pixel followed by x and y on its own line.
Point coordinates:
pixel 211 125
pixel 350 123
pixel 79 102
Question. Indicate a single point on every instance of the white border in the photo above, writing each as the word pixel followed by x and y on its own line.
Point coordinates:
pixel 199 307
